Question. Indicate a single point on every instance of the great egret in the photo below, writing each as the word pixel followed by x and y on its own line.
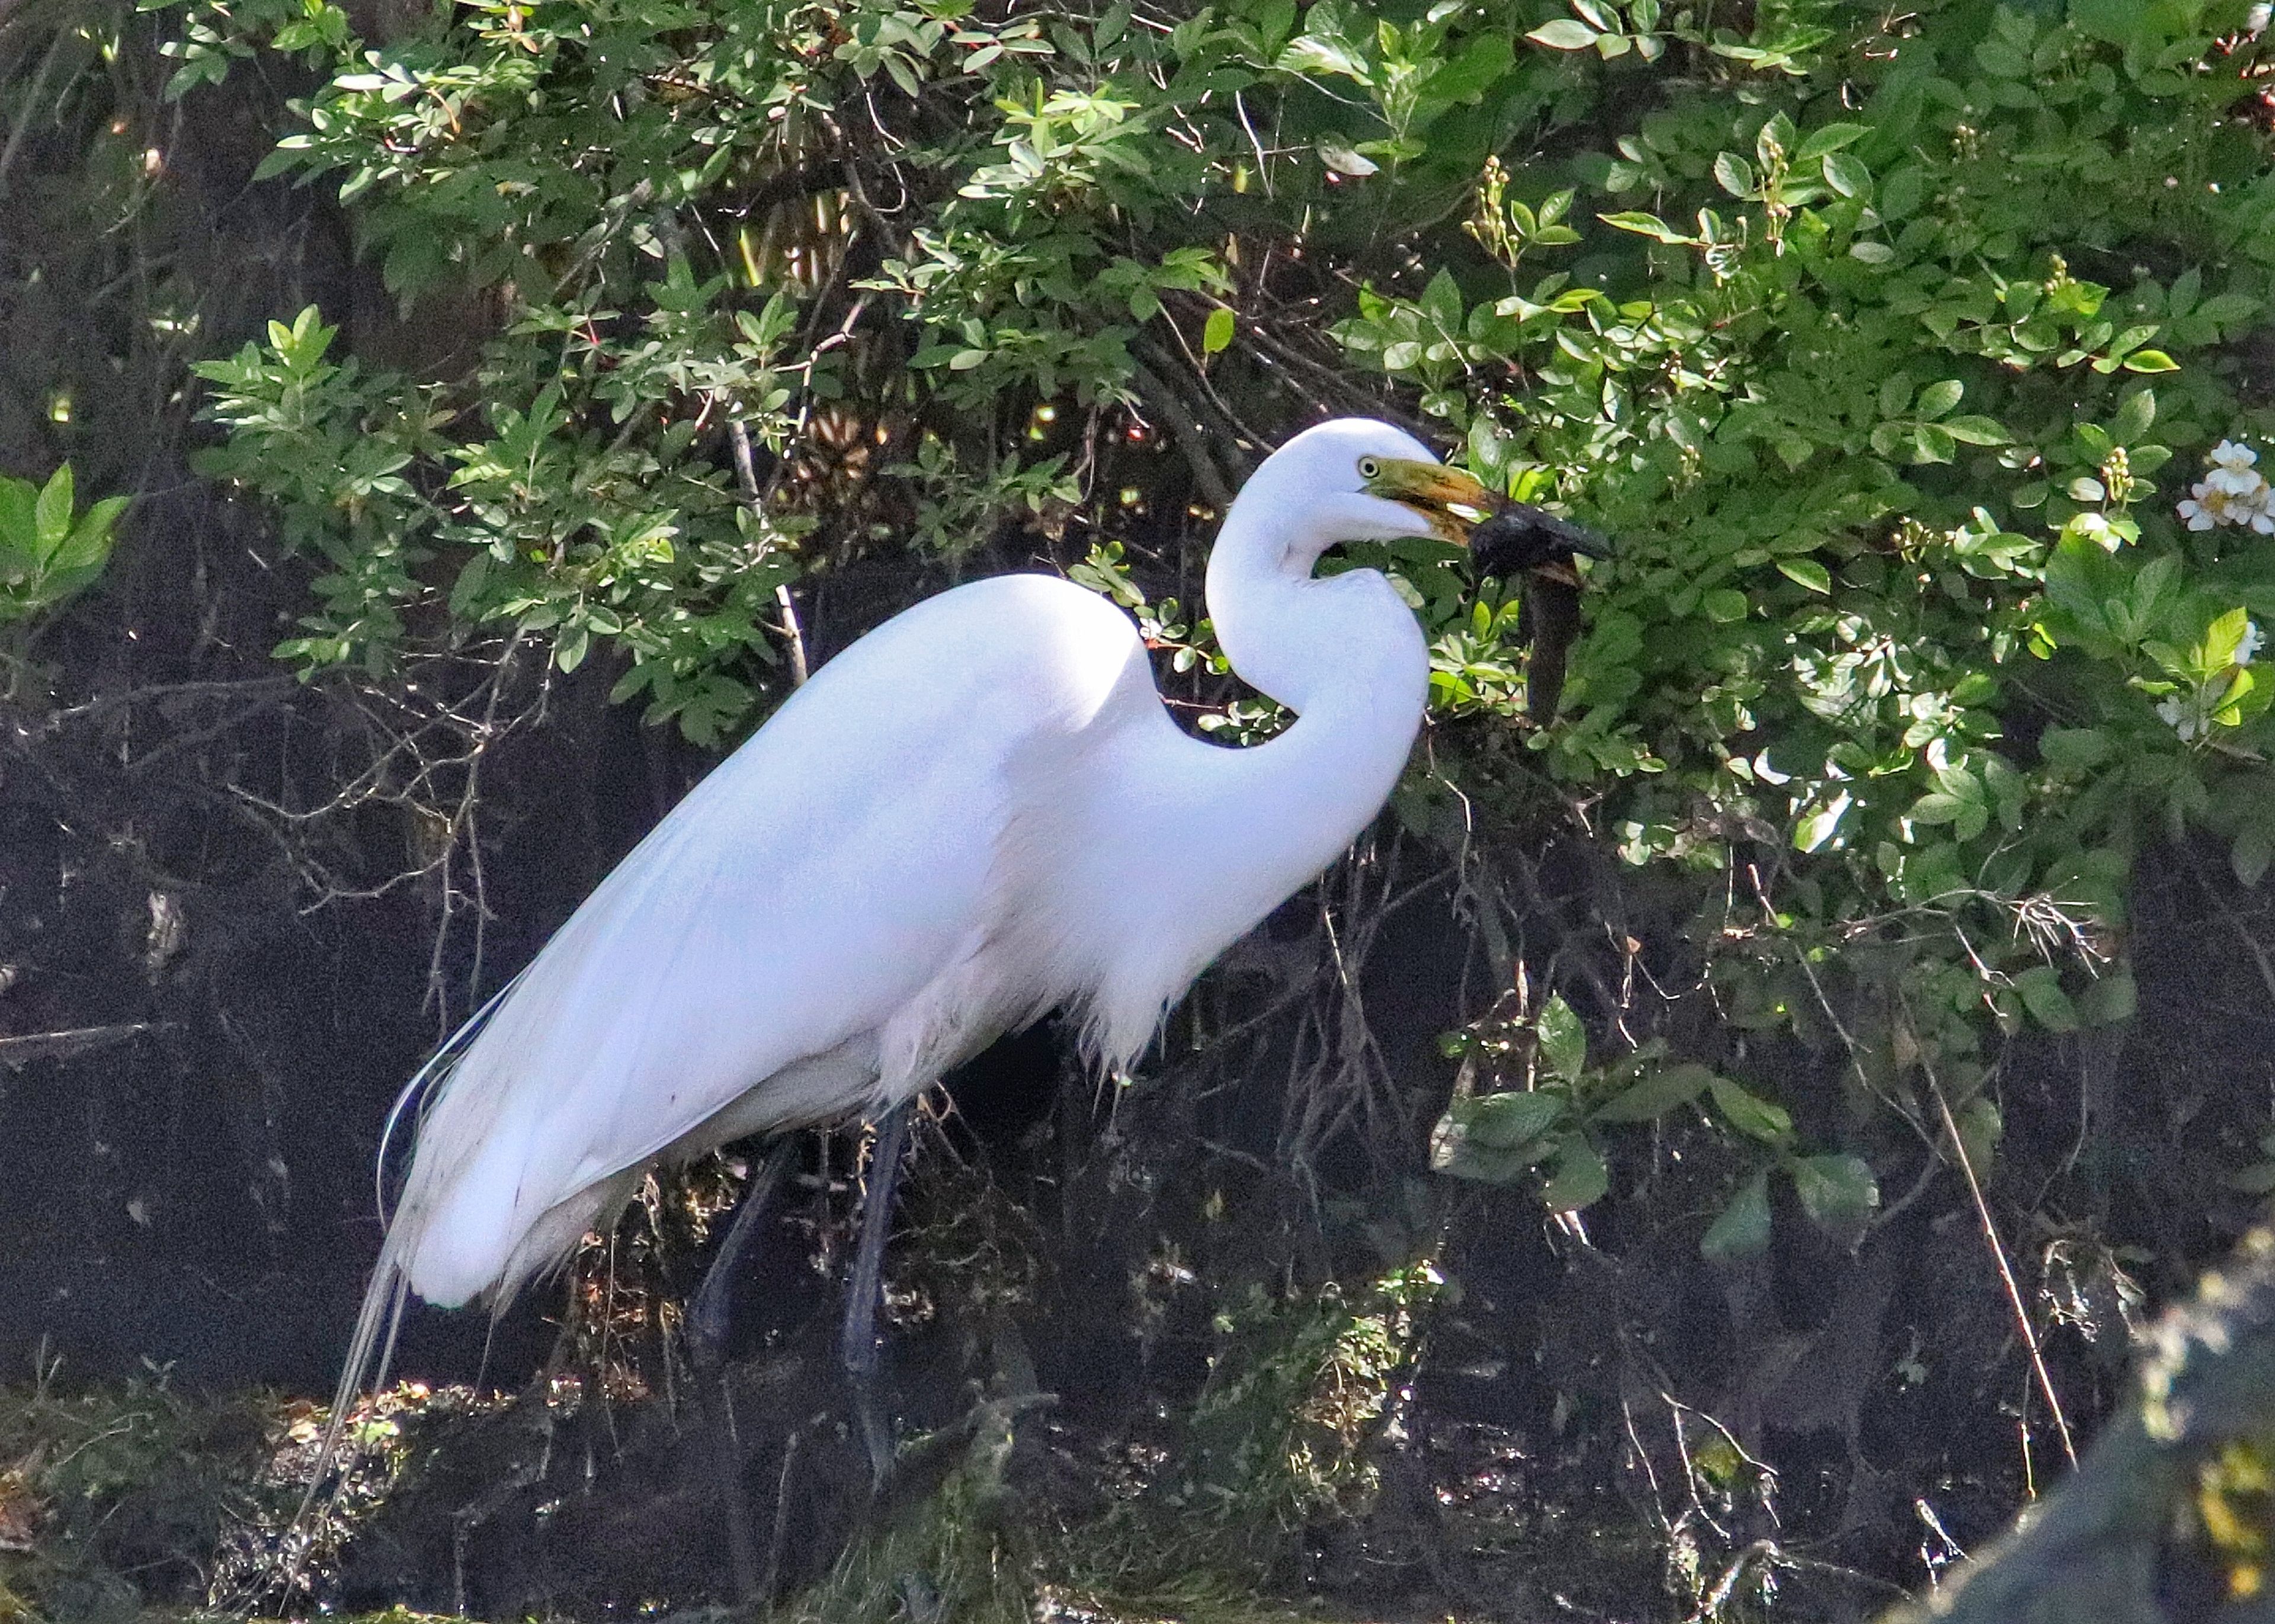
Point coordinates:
pixel 979 812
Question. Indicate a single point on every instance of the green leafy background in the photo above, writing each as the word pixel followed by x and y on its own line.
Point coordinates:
pixel 688 340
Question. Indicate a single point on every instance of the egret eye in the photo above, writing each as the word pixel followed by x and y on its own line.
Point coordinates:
pixel 1369 468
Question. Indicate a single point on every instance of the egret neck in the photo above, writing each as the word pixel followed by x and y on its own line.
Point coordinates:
pixel 1231 833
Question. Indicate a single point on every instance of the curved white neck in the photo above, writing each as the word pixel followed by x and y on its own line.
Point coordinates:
pixel 1346 655
pixel 1232 834
pixel 1300 640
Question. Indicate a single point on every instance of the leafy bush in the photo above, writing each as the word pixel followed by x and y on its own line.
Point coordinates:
pixel 1910 357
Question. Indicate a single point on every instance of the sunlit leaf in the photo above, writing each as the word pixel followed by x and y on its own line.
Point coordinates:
pixel 1563 1040
pixel 1564 34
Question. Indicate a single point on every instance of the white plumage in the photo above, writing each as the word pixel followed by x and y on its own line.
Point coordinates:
pixel 977 813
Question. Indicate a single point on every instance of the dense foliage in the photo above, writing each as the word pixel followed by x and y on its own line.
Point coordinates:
pixel 1906 644
pixel 1914 359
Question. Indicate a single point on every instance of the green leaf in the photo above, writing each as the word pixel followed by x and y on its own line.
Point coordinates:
pixel 1510 1121
pixel 2113 997
pixel 1980 1129
pixel 2134 416
pixel 1441 301
pixel 2041 990
pixel 19 529
pixel 2255 845
pixel 2151 360
pixel 1829 138
pixel 1578 1178
pixel 1976 430
pixel 1319 53
pixel 1812 832
pixel 2077 750
pixel 1939 398
pixel 1565 33
pixel 1496 1138
pixel 1806 572
pixel 1938 808
pixel 1725 605
pixel 1645 225
pixel 1839 1193
pixel 1744 1229
pixel 1845 176
pixel 1748 1112
pixel 1216 332
pixel 2221 641
pixel 1655 1095
pixel 52 513
pixel 468 589
pixel 1563 1040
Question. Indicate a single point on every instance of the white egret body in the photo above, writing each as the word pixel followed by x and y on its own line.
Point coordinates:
pixel 977 813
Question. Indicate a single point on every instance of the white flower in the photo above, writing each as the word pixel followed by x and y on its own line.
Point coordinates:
pixel 2232 491
pixel 2183 720
pixel 2248 643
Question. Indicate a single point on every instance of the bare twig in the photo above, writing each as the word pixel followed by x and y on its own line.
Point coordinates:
pixel 1192 437
pixel 2005 1272
pixel 746 478
pixel 17 1053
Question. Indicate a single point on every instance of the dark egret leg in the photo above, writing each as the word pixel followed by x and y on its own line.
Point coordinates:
pixel 708 1317
pixel 856 1348
pixel 708 1310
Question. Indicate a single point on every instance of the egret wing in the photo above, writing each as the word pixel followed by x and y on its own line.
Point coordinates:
pixel 747 953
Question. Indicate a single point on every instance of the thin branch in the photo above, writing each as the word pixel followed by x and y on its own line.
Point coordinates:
pixel 2005 1272
pixel 747 478
pixel 17 1053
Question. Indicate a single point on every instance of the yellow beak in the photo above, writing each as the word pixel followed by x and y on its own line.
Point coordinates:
pixel 1449 499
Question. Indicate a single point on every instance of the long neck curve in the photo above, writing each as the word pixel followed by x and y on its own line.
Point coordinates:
pixel 1278 625
pixel 1231 833
pixel 1345 653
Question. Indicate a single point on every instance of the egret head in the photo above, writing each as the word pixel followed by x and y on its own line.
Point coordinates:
pixel 1356 479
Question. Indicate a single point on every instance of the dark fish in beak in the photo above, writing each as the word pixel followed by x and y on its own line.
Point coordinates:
pixel 1534 548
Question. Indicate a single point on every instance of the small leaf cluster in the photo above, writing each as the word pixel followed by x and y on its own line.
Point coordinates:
pixel 1556 1123
pixel 49 548
pixel 555 520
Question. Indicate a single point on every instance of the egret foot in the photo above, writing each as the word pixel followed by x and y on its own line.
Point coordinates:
pixel 707 1321
pixel 857 1348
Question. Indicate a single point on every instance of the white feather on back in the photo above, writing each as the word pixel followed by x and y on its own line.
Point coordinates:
pixel 802 898
pixel 976 813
